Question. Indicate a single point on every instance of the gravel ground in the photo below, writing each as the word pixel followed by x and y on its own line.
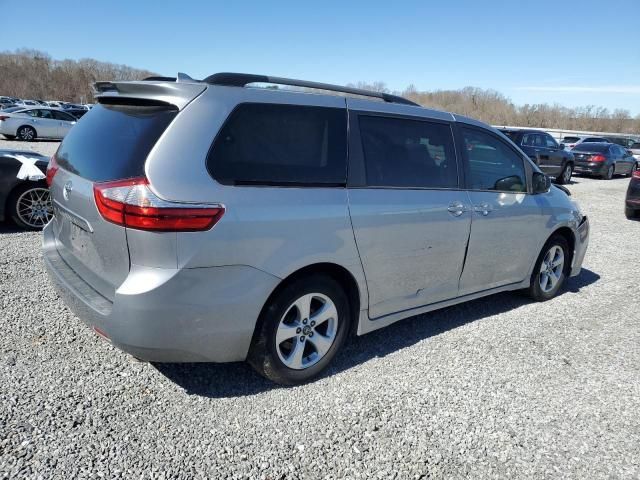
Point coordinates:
pixel 495 388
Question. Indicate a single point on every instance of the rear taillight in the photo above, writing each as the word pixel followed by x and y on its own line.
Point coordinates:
pixel 52 169
pixel 598 158
pixel 3 117
pixel 131 203
pixel 636 174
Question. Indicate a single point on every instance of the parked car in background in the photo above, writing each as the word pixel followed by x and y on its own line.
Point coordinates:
pixel 24 196
pixel 276 243
pixel 28 103
pixel 624 142
pixel 76 112
pixel 542 148
pixel 73 106
pixel 632 201
pixel 6 106
pixel 571 142
pixel 31 123
pixel 603 159
pixel 635 150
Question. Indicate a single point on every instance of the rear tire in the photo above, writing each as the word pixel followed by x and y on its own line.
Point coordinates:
pixel 26 133
pixel 29 206
pixel 608 175
pixel 300 330
pixel 550 270
pixel 565 177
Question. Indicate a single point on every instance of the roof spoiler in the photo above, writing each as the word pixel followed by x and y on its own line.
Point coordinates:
pixel 150 92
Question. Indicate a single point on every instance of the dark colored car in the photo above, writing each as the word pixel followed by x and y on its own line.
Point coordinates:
pixel 24 196
pixel 603 159
pixel 542 148
pixel 632 202
pixel 76 112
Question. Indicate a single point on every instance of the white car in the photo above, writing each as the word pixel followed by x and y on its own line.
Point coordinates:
pixel 571 142
pixel 31 123
pixel 635 150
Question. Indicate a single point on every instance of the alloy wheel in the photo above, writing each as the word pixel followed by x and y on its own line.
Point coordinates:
pixel 566 175
pixel 26 133
pixel 551 268
pixel 307 331
pixel 34 207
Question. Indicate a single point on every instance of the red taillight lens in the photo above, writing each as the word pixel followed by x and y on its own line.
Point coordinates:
pixel 598 158
pixel 131 203
pixel 636 174
pixel 52 169
pixel 3 117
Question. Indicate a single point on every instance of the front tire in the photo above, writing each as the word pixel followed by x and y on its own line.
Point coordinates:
pixel 550 270
pixel 565 177
pixel 26 133
pixel 301 330
pixel 608 175
pixel 29 206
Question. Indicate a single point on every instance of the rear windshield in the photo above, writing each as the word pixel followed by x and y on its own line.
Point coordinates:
pixel 595 139
pixel 268 144
pixel 112 141
pixel 570 139
pixel 592 147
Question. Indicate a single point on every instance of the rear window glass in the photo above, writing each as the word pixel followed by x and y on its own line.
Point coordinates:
pixel 570 139
pixel 269 144
pixel 112 141
pixel 592 147
pixel 511 134
pixel 595 139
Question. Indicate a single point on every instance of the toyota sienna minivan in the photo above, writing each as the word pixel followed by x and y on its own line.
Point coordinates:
pixel 214 221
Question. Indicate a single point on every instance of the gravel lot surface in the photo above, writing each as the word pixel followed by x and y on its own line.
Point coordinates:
pixel 496 388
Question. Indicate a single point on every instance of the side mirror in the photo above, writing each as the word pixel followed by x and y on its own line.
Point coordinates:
pixel 562 145
pixel 541 183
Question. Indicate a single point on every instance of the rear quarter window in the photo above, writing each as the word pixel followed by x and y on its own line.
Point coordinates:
pixel 273 144
pixel 112 141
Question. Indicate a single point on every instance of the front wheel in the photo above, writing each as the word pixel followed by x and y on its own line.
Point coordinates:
pixel 550 270
pixel 301 330
pixel 608 175
pixel 565 176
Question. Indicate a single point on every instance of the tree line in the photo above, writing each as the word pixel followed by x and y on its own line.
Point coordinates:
pixel 494 108
pixel 33 74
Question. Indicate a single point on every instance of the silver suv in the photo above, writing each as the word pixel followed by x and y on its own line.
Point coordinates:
pixel 208 221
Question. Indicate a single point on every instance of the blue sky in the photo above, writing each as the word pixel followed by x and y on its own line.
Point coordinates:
pixel 565 51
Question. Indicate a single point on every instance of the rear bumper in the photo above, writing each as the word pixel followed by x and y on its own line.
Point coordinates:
pixel 590 169
pixel 580 248
pixel 169 315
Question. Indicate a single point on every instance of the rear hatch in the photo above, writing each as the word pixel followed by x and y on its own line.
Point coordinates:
pixel 583 158
pixel 111 143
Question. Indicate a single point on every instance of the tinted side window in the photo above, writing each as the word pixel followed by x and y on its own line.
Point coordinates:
pixel 408 153
pixel 550 142
pixel 63 116
pixel 492 164
pixel 274 144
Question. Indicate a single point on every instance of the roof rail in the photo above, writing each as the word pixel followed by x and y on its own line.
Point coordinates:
pixel 243 79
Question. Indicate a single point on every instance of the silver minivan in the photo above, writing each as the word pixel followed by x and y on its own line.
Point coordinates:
pixel 213 221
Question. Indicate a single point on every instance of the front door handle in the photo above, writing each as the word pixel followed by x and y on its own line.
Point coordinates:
pixel 483 208
pixel 456 208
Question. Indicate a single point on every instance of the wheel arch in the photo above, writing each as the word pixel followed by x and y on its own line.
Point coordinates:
pixel 570 237
pixel 337 272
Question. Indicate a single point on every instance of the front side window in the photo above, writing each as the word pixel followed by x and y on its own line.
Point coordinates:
pixel 550 142
pixel 408 153
pixel 492 164
pixel 273 144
